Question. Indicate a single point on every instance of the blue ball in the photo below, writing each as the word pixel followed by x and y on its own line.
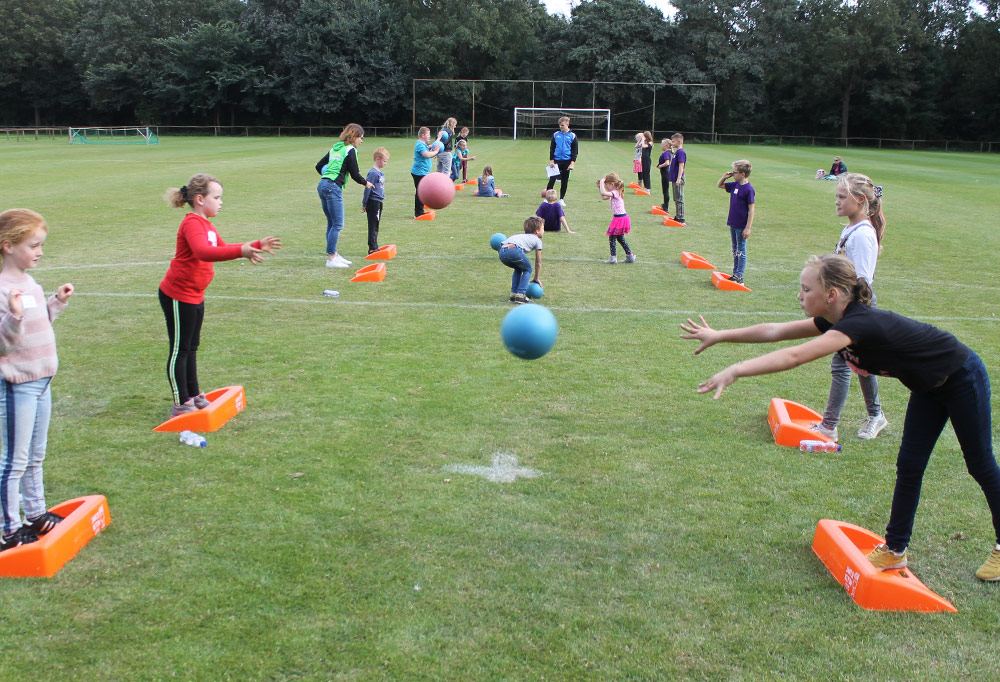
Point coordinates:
pixel 497 239
pixel 529 331
pixel 534 290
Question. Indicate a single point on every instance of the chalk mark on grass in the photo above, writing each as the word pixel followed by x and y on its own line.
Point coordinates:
pixel 503 470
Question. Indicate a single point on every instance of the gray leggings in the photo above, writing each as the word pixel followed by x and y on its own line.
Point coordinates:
pixel 840 386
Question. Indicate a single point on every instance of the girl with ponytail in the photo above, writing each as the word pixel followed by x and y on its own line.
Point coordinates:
pixel 947 380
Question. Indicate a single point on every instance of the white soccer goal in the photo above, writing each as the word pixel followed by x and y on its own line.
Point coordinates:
pixel 545 117
pixel 122 135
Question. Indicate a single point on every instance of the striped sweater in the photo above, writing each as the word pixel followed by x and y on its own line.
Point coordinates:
pixel 28 343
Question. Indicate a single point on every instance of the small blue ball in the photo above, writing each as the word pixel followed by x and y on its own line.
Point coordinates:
pixel 529 331
pixel 497 239
pixel 534 290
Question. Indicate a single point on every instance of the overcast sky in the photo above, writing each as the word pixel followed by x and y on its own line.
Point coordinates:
pixel 563 6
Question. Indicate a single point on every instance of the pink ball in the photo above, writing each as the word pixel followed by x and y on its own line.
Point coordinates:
pixel 543 193
pixel 436 190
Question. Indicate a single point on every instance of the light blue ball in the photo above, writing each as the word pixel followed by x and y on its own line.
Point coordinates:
pixel 534 290
pixel 497 239
pixel 529 331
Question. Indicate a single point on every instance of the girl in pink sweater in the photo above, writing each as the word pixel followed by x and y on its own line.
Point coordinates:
pixel 28 362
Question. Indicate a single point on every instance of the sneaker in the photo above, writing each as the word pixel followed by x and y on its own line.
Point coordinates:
pixel 562 203
pixel 504 196
pixel 990 571
pixel 21 536
pixel 884 559
pixel 612 261
pixel 334 263
pixel 43 524
pixel 201 402
pixel 511 299
pixel 183 408
pixel 738 280
pixel 680 220
pixel 872 426
pixel 630 258
pixel 520 298
pixel 823 431
pixel 340 258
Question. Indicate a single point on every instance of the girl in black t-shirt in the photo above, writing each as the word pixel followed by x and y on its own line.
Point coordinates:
pixel 946 379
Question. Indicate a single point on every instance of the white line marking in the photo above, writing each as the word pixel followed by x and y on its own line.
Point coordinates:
pixel 323 300
pixel 503 470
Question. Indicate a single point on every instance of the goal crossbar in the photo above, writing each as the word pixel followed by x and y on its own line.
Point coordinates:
pixel 533 116
pixel 113 135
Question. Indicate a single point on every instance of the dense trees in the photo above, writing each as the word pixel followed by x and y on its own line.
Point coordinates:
pixel 888 68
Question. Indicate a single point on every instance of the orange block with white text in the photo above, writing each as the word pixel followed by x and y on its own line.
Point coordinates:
pixel 83 518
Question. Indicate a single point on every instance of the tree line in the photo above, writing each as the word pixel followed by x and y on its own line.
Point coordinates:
pixel 925 69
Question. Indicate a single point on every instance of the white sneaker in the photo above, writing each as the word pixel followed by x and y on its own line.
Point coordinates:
pixel 612 261
pixel 343 260
pixel 334 263
pixel 562 203
pixel 871 426
pixel 823 431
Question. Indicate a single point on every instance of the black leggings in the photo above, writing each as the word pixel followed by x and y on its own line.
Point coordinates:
pixel 647 164
pixel 374 212
pixel 418 206
pixel 564 172
pixel 184 334
pixel 620 238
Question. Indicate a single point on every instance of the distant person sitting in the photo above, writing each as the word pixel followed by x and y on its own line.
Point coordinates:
pixel 838 168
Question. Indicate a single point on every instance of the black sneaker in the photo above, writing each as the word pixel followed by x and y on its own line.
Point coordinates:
pixel 21 536
pixel 520 298
pixel 43 524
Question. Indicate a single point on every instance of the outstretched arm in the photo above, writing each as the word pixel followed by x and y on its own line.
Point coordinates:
pixel 776 361
pixel 769 332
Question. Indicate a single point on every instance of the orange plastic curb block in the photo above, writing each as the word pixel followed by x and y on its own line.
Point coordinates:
pixel 84 517
pixel 843 548
pixel 791 423
pixel 387 252
pixel 722 282
pixel 634 185
pixel 370 273
pixel 460 186
pixel 657 210
pixel 670 222
pixel 695 262
pixel 641 192
pixel 429 215
pixel 226 403
pixel 470 182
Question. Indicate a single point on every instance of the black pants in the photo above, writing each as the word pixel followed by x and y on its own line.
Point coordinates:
pixel 647 164
pixel 184 334
pixel 374 212
pixel 620 238
pixel 563 178
pixel 665 181
pixel 418 206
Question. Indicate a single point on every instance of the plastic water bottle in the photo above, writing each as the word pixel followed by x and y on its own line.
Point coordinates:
pixel 331 293
pixel 818 446
pixel 192 438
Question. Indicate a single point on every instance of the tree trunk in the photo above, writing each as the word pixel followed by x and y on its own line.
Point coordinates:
pixel 845 110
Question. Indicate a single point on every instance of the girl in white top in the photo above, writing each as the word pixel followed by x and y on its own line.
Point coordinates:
pixel 860 201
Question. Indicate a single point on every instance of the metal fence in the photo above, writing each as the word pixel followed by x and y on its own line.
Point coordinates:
pixel 54 133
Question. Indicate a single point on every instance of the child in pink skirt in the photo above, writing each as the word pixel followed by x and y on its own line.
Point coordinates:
pixel 612 188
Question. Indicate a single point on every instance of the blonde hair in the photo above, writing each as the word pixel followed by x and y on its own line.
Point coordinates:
pixel 198 184
pixel 861 188
pixel 837 272
pixel 351 133
pixel 17 224
pixel 615 182
pixel 380 153
pixel 551 195
pixel 423 129
pixel 450 122
pixel 533 224
pixel 742 166
pixel 564 118
pixel 677 136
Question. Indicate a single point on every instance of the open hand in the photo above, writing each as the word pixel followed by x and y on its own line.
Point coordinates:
pixel 718 382
pixel 700 332
pixel 270 244
pixel 252 254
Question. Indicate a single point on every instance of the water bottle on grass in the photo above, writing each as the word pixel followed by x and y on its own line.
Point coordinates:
pixel 818 446
pixel 192 438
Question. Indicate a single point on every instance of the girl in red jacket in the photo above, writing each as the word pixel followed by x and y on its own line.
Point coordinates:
pixel 182 291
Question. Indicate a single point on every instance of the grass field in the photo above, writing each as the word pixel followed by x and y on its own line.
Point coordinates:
pixel 324 533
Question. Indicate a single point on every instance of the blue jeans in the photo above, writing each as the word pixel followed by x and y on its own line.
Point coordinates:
pixel 965 399
pixel 514 257
pixel 332 197
pixel 739 251
pixel 25 410
pixel 841 385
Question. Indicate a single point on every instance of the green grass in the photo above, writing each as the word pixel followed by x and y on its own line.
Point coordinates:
pixel 320 534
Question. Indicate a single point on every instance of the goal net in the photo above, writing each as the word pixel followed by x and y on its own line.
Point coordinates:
pixel 527 119
pixel 122 135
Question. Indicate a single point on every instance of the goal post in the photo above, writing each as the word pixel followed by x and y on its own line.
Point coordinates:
pixel 113 135
pixel 548 117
